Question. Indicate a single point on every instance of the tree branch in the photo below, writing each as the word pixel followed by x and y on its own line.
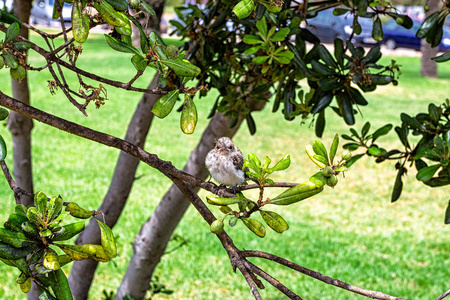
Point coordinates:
pixel 18 192
pixel 278 285
pixel 152 160
pixel 443 295
pixel 236 259
pixel 321 277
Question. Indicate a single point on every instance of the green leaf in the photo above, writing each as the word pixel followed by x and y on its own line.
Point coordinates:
pixel 14 238
pixel 252 39
pixel 51 261
pixel 44 294
pixel 40 200
pixel 165 104
pixel 54 207
pixel 320 149
pixel 377 30
pixel 398 185
pixel 333 148
pixel 261 25
pixel 182 67
pixel 88 251
pixel 274 221
pixel 250 123
pixel 260 59
pixel 10 59
pixel 139 62
pixel 255 226
pixel 107 239
pixel 223 201
pixel 60 285
pixel 282 164
pixel 311 154
pixel 339 51
pixel 427 173
pixel 322 69
pixel 225 209
pixel 347 109
pixel 447 214
pixel 11 33
pixel 252 50
pixel 280 35
pixel 244 8
pixel 381 131
pixel 429 23
pixel 284 57
pixel 352 160
pixel 3 150
pixel 326 56
pixel 318 179
pixel 3 113
pixel 120 46
pixel 147 8
pixel 375 151
pixel 442 58
pixel 297 193
pixel 70 231
pixel 365 129
pixel 12 253
pixel 254 160
pixel 188 119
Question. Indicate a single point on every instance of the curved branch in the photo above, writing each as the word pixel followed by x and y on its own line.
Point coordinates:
pixel 319 276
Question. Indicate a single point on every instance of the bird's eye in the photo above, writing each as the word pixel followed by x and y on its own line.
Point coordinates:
pixel 230 147
pixel 217 147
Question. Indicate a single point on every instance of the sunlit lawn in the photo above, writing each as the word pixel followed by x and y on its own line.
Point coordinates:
pixel 352 232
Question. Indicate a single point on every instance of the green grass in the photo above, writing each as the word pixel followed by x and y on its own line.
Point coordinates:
pixel 352 232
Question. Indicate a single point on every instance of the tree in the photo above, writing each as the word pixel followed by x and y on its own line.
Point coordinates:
pixel 429 67
pixel 243 61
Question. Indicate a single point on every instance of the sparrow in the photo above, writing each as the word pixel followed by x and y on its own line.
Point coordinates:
pixel 224 162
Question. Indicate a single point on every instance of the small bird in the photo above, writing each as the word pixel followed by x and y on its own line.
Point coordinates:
pixel 225 162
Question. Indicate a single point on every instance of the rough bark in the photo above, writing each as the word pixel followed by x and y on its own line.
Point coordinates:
pixel 154 235
pixel 19 125
pixel 82 273
pixel 428 66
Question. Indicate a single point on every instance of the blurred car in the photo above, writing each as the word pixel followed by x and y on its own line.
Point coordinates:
pixel 42 12
pixel 397 36
pixel 328 27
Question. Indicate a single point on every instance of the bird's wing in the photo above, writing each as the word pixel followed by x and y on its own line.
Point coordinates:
pixel 238 160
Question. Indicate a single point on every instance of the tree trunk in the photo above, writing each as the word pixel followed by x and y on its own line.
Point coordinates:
pixel 428 66
pixel 82 273
pixel 19 125
pixel 154 235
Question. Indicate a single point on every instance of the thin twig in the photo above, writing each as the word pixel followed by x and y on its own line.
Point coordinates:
pixel 18 192
pixel 321 277
pixel 278 285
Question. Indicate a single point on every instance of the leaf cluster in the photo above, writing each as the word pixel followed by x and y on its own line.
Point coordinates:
pixel 430 155
pixel 11 51
pixel 250 58
pixel 29 238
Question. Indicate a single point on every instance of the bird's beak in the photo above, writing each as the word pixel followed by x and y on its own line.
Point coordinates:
pixel 223 149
